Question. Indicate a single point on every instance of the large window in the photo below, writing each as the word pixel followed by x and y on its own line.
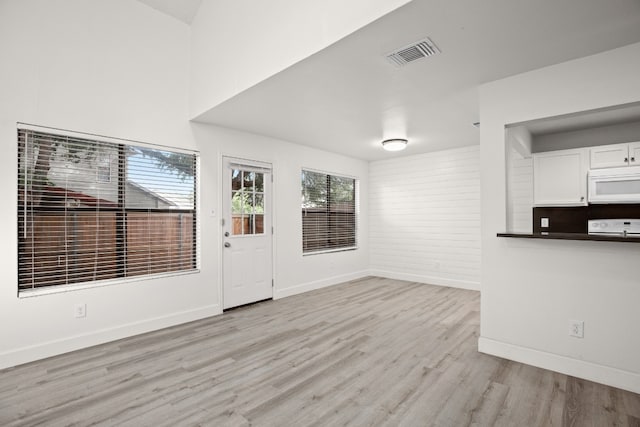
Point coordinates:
pixel 328 212
pixel 91 210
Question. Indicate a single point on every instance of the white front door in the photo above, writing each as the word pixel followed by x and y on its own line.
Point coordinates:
pixel 247 234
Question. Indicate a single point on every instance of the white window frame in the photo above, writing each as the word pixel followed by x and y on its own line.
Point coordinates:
pixel 23 292
pixel 356 214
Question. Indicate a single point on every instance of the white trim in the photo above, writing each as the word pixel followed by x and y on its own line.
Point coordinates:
pixel 53 289
pixel 64 345
pixel 565 365
pixel 269 168
pixel 329 251
pixel 236 162
pixel 318 284
pixel 432 280
pixel 103 138
pixel 325 172
pixel 356 212
pixel 251 168
pixel 56 289
pixel 199 214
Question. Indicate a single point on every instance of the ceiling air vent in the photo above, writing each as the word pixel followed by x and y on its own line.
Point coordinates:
pixel 413 52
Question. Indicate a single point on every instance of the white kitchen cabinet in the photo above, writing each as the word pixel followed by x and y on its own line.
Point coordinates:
pixel 634 153
pixel 615 155
pixel 560 177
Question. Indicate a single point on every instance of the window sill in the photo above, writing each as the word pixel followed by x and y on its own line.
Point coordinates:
pixel 329 251
pixel 48 290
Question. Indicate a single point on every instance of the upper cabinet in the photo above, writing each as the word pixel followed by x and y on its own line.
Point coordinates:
pixel 634 153
pixel 615 155
pixel 560 177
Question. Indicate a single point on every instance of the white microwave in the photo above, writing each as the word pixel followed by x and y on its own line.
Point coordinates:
pixel 615 185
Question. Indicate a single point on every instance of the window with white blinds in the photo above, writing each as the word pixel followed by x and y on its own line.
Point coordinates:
pixel 91 210
pixel 328 212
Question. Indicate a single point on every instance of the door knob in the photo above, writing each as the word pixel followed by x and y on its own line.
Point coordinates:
pixel 227 244
pixel 226 234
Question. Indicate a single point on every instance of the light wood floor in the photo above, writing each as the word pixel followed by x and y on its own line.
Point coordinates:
pixel 368 352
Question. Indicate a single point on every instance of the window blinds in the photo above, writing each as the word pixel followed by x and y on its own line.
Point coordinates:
pixel 328 212
pixel 90 210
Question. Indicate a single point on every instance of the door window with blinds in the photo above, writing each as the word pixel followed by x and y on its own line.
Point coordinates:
pixel 91 210
pixel 328 212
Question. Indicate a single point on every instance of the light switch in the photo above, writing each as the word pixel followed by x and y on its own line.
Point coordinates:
pixel 544 222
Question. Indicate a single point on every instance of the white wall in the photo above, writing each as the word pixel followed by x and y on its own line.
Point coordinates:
pixel 120 69
pixel 236 44
pixel 531 288
pixel 425 218
pixel 603 135
pixel 115 68
pixel 293 272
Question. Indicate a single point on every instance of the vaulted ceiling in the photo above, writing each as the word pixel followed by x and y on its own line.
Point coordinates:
pixel 348 97
pixel 184 10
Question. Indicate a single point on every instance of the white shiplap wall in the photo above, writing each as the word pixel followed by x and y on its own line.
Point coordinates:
pixel 519 180
pixel 424 214
pixel 520 193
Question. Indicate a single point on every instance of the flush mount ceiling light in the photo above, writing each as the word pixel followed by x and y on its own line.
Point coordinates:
pixel 396 144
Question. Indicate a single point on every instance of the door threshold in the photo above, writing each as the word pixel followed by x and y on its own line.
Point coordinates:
pixel 249 304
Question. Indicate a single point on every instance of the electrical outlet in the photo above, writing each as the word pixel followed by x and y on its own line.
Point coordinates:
pixel 544 222
pixel 80 310
pixel 576 328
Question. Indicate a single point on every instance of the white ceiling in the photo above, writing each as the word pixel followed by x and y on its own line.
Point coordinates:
pixel 184 10
pixel 347 98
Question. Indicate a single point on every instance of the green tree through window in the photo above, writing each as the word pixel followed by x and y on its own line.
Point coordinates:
pixel 328 212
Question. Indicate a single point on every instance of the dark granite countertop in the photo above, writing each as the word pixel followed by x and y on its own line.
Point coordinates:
pixel 572 236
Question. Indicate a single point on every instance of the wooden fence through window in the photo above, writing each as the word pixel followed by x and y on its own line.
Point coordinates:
pixel 63 248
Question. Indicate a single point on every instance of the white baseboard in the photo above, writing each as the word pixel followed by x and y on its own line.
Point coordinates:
pixel 441 281
pixel 318 284
pixel 565 365
pixel 53 348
